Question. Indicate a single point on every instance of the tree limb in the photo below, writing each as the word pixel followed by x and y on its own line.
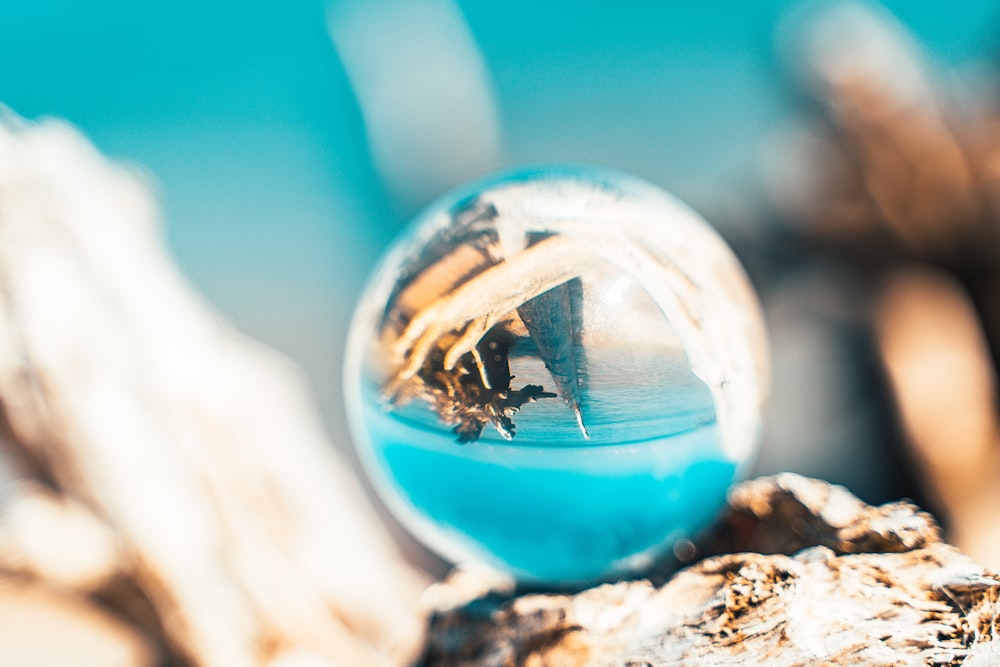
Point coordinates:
pixel 197 447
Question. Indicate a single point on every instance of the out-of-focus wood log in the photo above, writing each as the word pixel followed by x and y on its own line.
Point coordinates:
pixel 43 628
pixel 938 364
pixel 897 182
pixel 198 448
pixel 56 539
pixel 864 586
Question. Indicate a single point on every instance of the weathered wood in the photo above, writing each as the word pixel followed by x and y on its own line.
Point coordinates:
pixel 51 537
pixel 939 367
pixel 897 180
pixel 197 447
pixel 841 583
pixel 41 627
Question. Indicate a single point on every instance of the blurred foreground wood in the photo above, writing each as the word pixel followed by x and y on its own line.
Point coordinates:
pixel 806 575
pixel 938 363
pixel 182 480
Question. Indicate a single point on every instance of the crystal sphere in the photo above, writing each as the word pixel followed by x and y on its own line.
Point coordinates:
pixel 558 371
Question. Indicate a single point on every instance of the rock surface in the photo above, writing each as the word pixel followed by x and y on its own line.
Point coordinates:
pixel 803 573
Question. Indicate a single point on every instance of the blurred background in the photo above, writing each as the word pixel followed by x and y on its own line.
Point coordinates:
pixel 289 144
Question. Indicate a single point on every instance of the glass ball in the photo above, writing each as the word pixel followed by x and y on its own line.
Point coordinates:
pixel 557 371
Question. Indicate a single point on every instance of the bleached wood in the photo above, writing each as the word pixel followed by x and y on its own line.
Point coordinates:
pixel 198 447
pixel 48 536
pixel 45 628
pixel 865 586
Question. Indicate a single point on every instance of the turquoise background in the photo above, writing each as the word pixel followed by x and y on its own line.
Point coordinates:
pixel 244 115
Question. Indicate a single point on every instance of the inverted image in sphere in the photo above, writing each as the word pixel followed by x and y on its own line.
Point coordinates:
pixel 557 371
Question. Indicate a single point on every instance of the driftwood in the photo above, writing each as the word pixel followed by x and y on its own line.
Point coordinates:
pixel 833 582
pixel 188 486
pixel 42 627
pixel 897 181
pixel 181 506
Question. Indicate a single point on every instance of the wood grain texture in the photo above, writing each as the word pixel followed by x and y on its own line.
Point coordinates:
pixel 810 575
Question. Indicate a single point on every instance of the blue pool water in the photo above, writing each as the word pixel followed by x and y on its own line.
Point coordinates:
pixel 550 506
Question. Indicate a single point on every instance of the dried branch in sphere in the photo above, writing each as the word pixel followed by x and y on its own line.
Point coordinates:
pixel 494 277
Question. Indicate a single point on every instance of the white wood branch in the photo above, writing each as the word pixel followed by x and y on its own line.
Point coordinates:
pixel 197 446
pixel 52 537
pixel 42 627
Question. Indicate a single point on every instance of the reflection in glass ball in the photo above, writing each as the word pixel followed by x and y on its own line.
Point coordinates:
pixel 557 371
